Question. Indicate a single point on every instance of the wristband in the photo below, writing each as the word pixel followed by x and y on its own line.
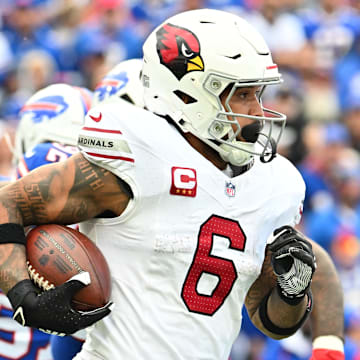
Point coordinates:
pixel 270 326
pixel 330 342
pixel 12 233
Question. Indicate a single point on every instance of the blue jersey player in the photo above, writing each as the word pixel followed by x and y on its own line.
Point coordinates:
pixel 47 133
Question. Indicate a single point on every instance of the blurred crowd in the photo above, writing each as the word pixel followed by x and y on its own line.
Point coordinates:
pixel 317 47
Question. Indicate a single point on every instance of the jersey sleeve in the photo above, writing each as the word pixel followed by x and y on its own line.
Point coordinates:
pixel 102 141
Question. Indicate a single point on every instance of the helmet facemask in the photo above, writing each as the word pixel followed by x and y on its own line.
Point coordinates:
pixel 224 129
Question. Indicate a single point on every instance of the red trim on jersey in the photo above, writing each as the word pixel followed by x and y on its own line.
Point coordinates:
pixel 85 97
pixel 271 67
pixel 102 130
pixel 22 168
pixel 78 338
pixel 111 157
pixel 107 83
pixel 41 106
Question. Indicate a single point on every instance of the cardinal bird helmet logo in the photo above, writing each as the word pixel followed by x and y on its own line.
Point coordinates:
pixel 179 50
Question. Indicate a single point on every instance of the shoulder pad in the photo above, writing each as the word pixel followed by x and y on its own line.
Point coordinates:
pixel 102 138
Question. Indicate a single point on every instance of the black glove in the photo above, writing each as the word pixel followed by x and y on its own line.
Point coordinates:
pixel 293 262
pixel 50 311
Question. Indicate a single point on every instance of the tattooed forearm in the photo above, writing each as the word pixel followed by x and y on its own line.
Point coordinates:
pixel 25 202
pixel 12 270
pixel 261 287
pixel 327 317
pixel 64 193
pixel 279 312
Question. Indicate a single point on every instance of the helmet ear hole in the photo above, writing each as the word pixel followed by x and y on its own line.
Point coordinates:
pixel 186 98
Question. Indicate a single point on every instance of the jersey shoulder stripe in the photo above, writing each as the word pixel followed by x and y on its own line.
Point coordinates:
pixel 114 157
pixel 109 131
pixel 104 140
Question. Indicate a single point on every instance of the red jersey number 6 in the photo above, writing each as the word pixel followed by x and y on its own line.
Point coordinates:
pixel 204 262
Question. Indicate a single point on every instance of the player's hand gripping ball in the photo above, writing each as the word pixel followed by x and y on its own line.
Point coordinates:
pixel 56 253
pixel 72 282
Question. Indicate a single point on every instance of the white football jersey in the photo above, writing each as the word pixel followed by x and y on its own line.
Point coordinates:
pixel 190 243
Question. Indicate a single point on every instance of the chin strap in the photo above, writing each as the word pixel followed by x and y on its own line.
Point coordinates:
pixel 251 134
pixel 268 157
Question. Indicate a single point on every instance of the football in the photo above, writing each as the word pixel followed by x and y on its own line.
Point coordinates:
pixel 55 253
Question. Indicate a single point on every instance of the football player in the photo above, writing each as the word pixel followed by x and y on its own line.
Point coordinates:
pixel 182 200
pixel 49 123
pixel 123 82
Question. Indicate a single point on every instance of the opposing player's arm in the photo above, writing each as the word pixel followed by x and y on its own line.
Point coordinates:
pixel 64 193
pixel 327 295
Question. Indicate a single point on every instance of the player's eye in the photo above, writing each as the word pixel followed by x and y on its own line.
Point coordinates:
pixel 243 95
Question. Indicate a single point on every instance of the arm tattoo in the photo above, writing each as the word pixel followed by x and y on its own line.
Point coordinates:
pixel 63 193
pixel 89 179
pixel 95 191
pixel 262 286
pixel 24 202
pixel 11 255
pixel 91 174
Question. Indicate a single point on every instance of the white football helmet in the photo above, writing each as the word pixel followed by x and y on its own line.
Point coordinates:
pixel 121 82
pixel 54 113
pixel 199 54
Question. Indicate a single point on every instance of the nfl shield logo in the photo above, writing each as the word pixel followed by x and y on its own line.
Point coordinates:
pixel 229 189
